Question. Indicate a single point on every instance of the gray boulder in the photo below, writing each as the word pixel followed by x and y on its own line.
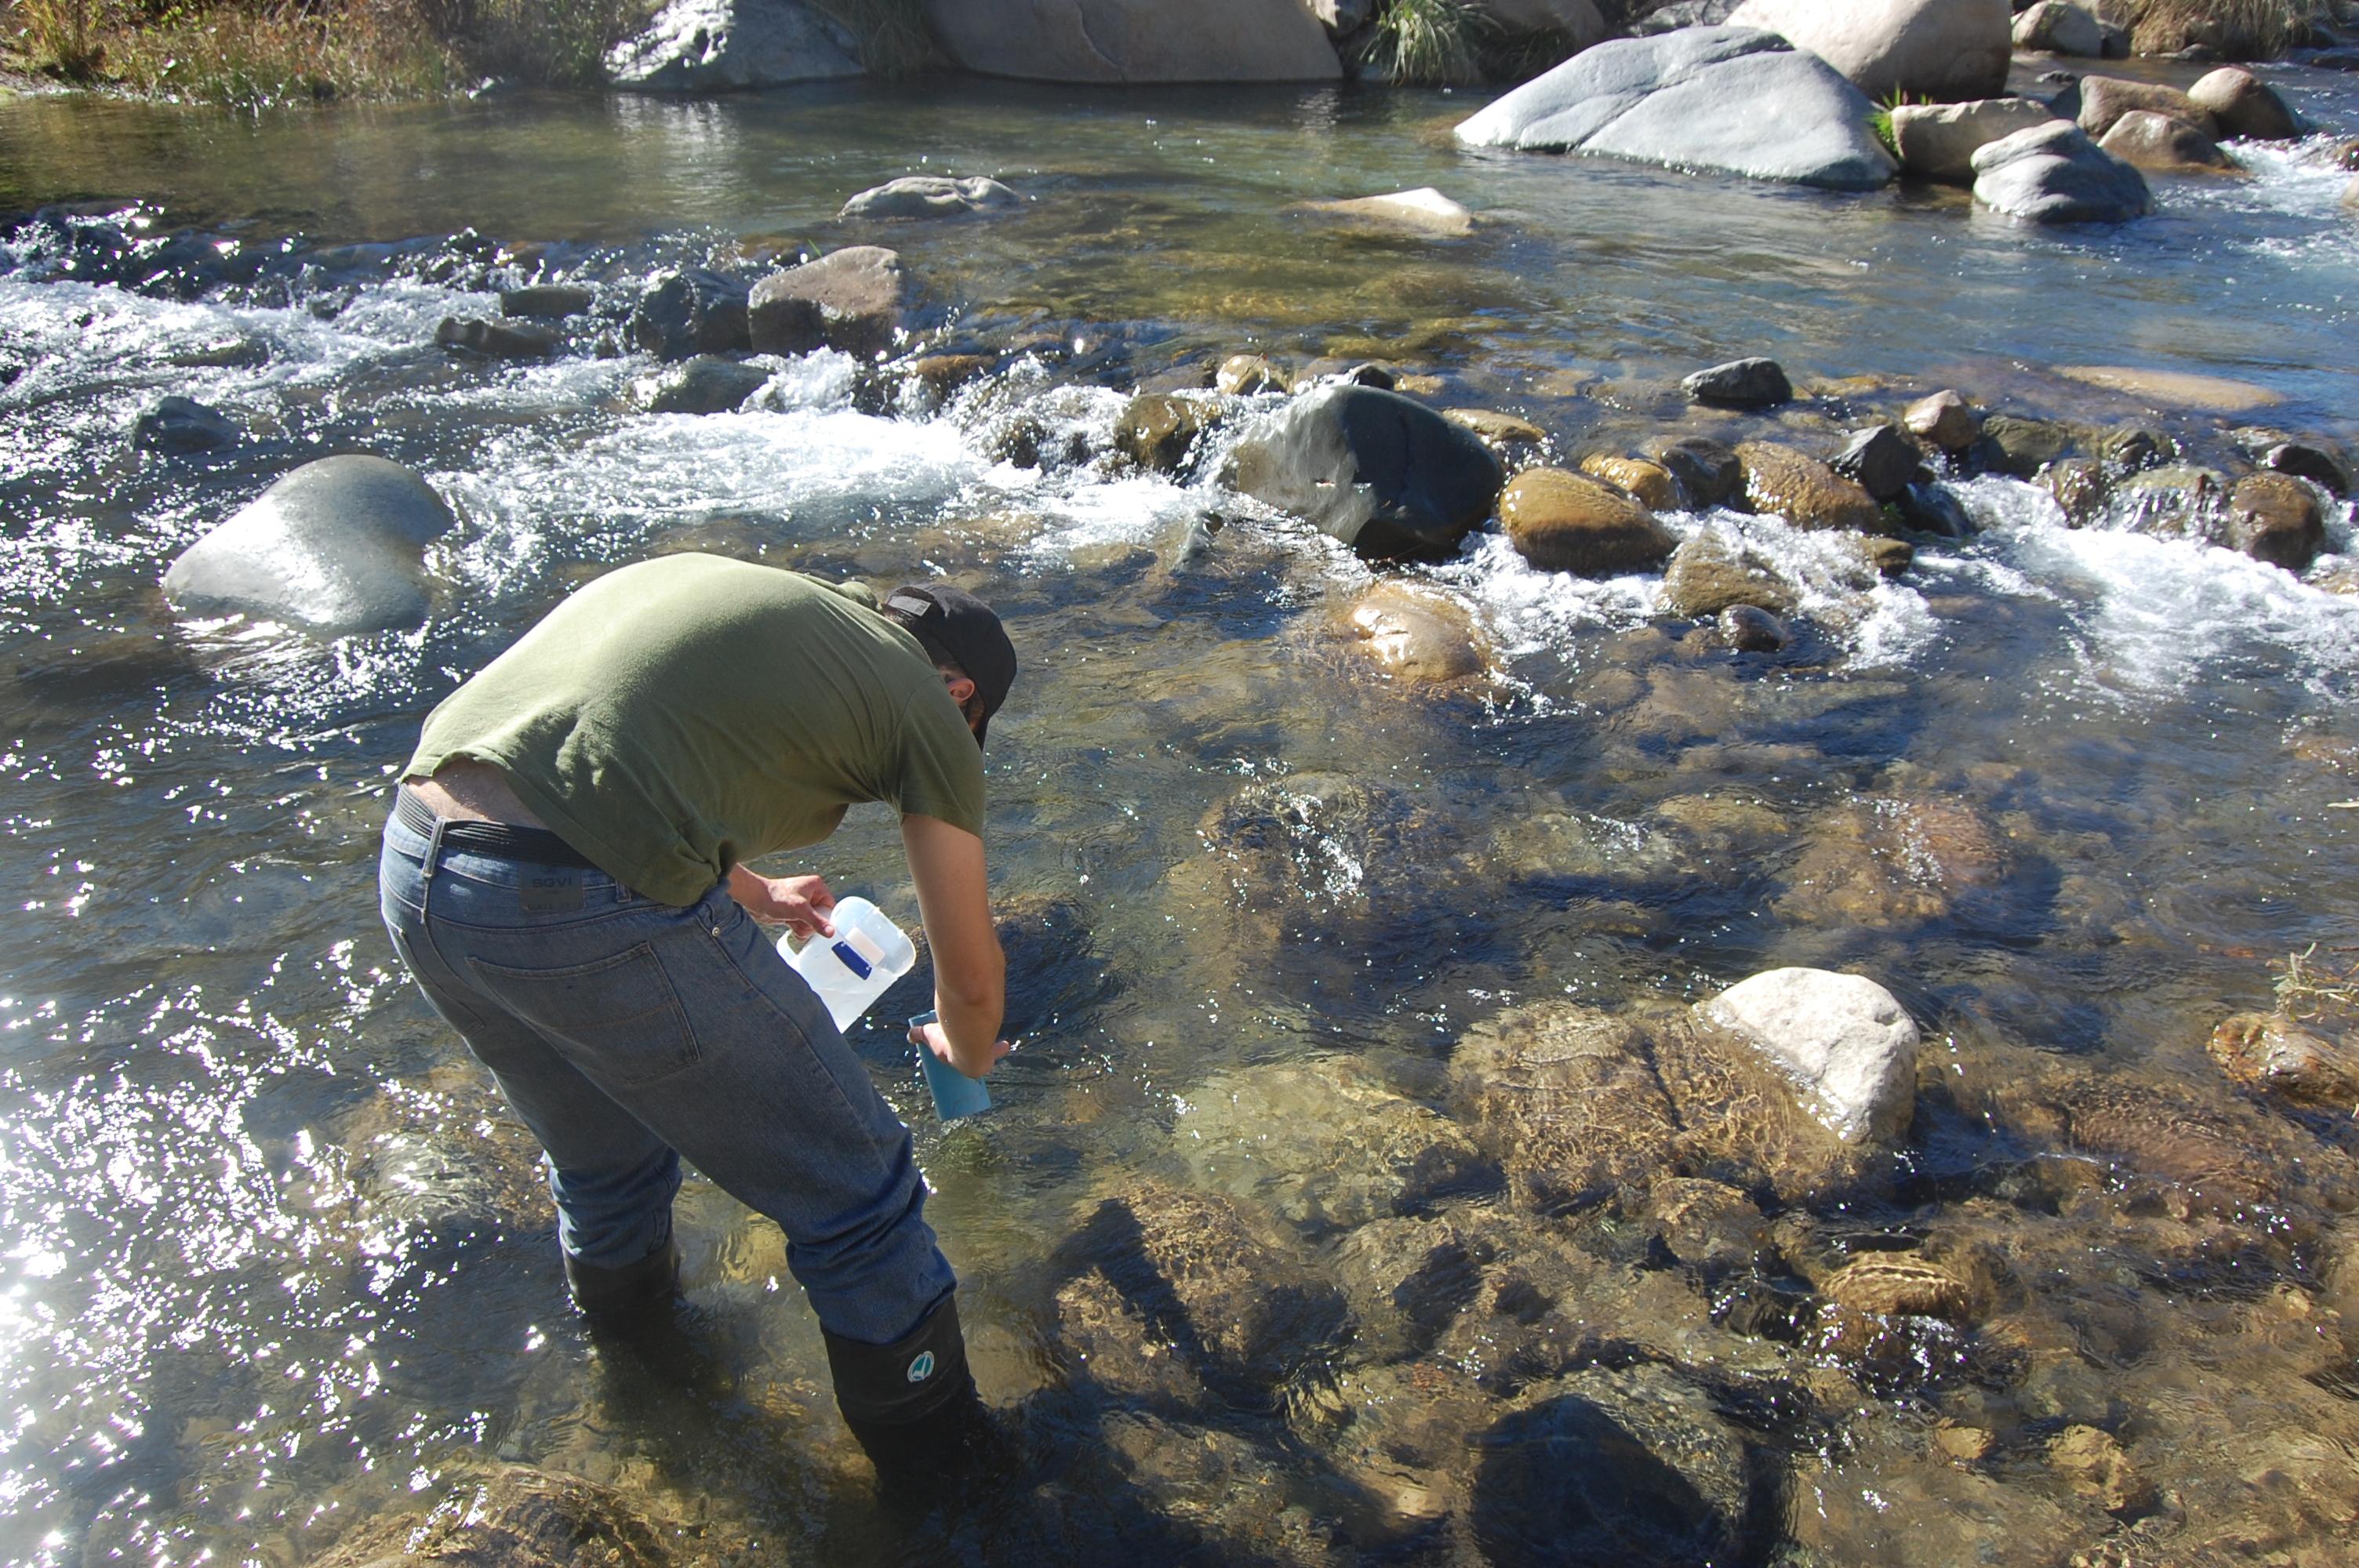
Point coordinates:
pixel 2055 174
pixel 181 426
pixel 1938 141
pixel 850 299
pixel 931 196
pixel 1382 472
pixel 1938 48
pixel 691 312
pixel 1881 459
pixel 1136 40
pixel 2057 27
pixel 721 46
pixel 1717 98
pixel 334 546
pixel 2244 105
pixel 1755 382
pixel 1845 1044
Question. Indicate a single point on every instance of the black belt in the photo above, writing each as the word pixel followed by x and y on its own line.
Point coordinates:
pixel 499 840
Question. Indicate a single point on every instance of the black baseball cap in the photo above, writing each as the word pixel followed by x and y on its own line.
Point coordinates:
pixel 956 625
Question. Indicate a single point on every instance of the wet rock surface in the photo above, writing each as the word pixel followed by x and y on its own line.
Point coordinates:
pixel 2273 1055
pixel 713 45
pixel 1803 490
pixel 691 312
pixel 1571 523
pixel 932 196
pixel 1378 471
pixel 705 384
pixel 181 426
pixel 1418 636
pixel 853 299
pixel 2276 518
pixel 515 1517
pixel 1714 572
pixel 2055 174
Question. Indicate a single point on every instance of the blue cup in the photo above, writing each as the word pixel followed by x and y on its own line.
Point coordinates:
pixel 955 1094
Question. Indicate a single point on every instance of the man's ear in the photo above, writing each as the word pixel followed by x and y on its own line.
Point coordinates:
pixel 961 689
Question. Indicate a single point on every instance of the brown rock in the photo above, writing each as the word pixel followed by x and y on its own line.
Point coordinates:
pixel 1651 482
pixel 1963 1445
pixel 516 1517
pixel 1749 629
pixel 943 373
pixel 1159 428
pixel 1887 557
pixel 1711 572
pixel 2277 519
pixel 1499 429
pixel 1561 521
pixel 1945 420
pixel 2159 142
pixel 2244 105
pixel 2272 1053
pixel 1804 491
pixel 2092 1462
pixel 2105 99
pixel 850 299
pixel 1707 470
pixel 1900 1284
pixel 2079 486
pixel 1242 375
pixel 1417 635
pixel 1567 1100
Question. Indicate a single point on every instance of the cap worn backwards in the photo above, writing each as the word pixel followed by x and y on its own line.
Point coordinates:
pixel 954 624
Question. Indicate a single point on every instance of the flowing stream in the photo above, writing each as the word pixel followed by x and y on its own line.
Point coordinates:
pixel 275 1265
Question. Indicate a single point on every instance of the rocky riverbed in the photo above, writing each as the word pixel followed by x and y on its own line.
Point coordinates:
pixel 1644 849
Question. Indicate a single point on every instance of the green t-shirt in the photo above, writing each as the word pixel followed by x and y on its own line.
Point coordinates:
pixel 676 716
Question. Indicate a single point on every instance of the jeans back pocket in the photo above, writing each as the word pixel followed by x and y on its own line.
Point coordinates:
pixel 620 1014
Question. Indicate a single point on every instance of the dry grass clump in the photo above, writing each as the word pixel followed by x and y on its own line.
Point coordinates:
pixel 2240 29
pixel 2310 988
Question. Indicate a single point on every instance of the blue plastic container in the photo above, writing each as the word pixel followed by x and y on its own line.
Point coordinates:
pixel 955 1094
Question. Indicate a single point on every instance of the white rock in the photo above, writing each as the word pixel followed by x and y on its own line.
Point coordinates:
pixel 1424 210
pixel 2058 26
pixel 1943 48
pixel 1846 1042
pixel 710 45
pixel 931 196
pixel 1938 141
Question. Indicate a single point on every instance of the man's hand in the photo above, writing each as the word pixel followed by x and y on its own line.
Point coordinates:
pixel 802 904
pixel 932 1037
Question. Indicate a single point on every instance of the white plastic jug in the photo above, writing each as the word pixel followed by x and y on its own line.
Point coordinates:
pixel 855 966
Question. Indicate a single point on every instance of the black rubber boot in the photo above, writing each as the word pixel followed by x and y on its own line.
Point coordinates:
pixel 912 1403
pixel 629 1295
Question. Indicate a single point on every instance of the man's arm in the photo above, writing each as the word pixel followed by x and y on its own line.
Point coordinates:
pixel 969 971
pixel 802 904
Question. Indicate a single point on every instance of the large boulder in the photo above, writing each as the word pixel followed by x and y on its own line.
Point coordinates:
pixel 1136 40
pixel 1848 1045
pixel 1382 472
pixel 1564 521
pixel 2157 142
pixel 2055 174
pixel 1720 98
pixel 334 546
pixel 931 196
pixel 1938 141
pixel 2244 105
pixel 719 46
pixel 1936 49
pixel 851 299
pixel 2058 26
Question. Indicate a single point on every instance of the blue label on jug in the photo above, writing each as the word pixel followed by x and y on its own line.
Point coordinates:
pixel 852 960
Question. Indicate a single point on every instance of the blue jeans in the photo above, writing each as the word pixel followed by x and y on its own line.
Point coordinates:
pixel 627 1033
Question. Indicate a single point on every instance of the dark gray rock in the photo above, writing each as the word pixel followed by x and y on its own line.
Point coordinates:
pixel 181 426
pixel 496 340
pixel 1749 629
pixel 853 300
pixel 1933 509
pixel 335 546
pixel 1753 382
pixel 718 46
pixel 1715 98
pixel 2134 448
pixel 2013 445
pixel 693 312
pixel 1382 472
pixel 931 196
pixel 705 384
pixel 546 301
pixel 1708 470
pixel 1881 458
pixel 2312 463
pixel 2055 174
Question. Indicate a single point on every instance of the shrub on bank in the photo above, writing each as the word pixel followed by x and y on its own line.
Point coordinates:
pixel 2239 29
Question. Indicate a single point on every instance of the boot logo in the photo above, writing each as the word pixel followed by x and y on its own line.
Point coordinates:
pixel 922 1367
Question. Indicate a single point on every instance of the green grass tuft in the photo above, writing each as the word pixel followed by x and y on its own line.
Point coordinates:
pixel 1425 43
pixel 1879 122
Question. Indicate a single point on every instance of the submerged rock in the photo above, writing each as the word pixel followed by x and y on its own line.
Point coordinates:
pixel 2055 174
pixel 1754 382
pixel 1499 429
pixel 1803 490
pixel 1942 50
pixel 2271 1054
pixel 181 428
pixel 1568 522
pixel 2243 105
pixel 513 1518
pixel 851 301
pixel 716 46
pixel 1134 40
pixel 1382 472
pixel 1888 863
pixel 2166 145
pixel 1938 141
pixel 1844 1040
pixel 2091 1460
pixel 1324 1142
pixel 931 196
pixel 336 546
pixel 1424 210
pixel 2276 518
pixel 1713 572
pixel 1900 1284
pixel 1417 635
pixel 1719 98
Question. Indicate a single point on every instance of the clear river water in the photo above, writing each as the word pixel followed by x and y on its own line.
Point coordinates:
pixel 275 1266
